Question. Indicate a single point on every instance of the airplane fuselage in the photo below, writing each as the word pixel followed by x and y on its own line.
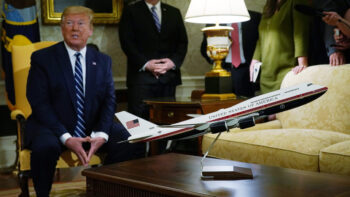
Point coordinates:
pixel 266 104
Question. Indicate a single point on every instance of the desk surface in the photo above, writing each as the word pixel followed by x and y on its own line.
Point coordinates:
pixel 180 175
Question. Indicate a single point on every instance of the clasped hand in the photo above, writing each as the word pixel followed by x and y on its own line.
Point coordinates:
pixel 76 145
pixel 342 41
pixel 159 66
pixel 331 18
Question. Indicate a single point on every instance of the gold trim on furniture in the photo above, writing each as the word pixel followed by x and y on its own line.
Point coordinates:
pixel 51 17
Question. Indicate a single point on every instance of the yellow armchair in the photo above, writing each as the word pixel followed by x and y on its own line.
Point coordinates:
pixel 21 63
pixel 314 137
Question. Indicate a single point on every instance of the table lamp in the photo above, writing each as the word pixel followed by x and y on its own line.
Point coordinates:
pixel 218 83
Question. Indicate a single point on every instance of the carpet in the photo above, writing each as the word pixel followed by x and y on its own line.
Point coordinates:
pixel 69 189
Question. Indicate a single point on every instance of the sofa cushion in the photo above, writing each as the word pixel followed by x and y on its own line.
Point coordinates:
pixel 290 148
pixel 329 112
pixel 336 158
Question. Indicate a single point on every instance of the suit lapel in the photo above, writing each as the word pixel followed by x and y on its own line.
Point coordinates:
pixel 66 67
pixel 164 17
pixel 90 84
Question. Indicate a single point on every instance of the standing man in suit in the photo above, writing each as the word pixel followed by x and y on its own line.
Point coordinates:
pixel 71 93
pixel 153 37
pixel 248 36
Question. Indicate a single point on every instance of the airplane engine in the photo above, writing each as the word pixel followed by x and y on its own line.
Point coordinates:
pixel 246 122
pixel 218 127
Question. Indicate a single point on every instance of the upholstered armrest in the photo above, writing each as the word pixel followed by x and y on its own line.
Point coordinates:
pixel 275 124
pixel 15 113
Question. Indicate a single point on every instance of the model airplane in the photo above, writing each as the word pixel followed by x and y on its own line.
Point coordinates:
pixel 242 115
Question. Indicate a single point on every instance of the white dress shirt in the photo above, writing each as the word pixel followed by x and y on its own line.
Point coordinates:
pixel 72 58
pixel 158 11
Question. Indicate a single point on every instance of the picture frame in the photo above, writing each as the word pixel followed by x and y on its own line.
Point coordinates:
pixel 106 11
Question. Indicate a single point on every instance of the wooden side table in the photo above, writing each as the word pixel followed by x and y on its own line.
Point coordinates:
pixel 169 111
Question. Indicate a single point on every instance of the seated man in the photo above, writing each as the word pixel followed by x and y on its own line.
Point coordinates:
pixel 71 93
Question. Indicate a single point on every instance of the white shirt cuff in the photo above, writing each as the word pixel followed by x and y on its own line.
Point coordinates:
pixel 102 134
pixel 65 137
pixel 143 67
pixel 94 134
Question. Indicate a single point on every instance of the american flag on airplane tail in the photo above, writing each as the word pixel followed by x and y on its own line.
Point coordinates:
pixel 132 124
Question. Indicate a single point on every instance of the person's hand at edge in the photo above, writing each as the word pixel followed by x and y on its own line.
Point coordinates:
pixel 337 59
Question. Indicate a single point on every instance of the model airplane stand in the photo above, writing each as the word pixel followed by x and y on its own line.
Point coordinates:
pixel 224 172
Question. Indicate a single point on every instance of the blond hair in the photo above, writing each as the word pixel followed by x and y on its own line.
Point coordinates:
pixel 78 10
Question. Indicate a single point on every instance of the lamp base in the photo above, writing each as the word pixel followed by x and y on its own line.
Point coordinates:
pixel 218 87
pixel 226 173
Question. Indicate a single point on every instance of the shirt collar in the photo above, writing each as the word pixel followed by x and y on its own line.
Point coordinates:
pixel 72 52
pixel 150 5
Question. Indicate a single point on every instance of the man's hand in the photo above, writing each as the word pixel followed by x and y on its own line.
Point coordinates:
pixel 331 18
pixel 154 65
pixel 75 144
pixel 336 59
pixel 159 66
pixel 96 143
pixel 166 64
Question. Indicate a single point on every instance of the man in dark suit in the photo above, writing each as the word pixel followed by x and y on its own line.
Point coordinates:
pixel 71 93
pixel 153 37
pixel 240 76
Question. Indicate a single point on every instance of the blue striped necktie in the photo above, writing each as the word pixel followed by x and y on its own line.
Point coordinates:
pixel 155 17
pixel 79 130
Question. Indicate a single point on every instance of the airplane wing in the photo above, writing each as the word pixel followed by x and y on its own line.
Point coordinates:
pixel 194 115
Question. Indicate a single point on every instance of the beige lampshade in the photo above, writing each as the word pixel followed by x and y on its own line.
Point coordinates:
pixel 217 11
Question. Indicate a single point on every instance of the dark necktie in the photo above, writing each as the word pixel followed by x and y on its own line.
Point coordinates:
pixel 155 17
pixel 235 47
pixel 79 130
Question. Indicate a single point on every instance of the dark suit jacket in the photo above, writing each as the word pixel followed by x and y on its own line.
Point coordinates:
pixel 51 92
pixel 141 42
pixel 250 36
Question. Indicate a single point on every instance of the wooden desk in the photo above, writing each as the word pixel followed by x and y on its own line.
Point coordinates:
pixel 169 111
pixel 180 175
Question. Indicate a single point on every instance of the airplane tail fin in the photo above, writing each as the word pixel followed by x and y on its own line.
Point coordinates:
pixel 136 126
